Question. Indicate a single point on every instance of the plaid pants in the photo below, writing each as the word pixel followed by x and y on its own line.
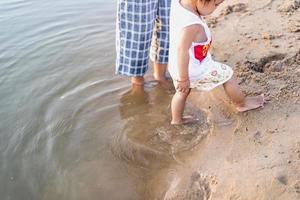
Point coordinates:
pixel 142 32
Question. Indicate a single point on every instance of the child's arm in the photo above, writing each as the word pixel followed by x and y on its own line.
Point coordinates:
pixel 190 34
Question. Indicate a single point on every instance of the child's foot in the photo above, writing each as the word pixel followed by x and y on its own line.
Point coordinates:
pixel 186 120
pixel 252 103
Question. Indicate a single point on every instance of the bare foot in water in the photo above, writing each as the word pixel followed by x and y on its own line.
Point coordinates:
pixel 186 120
pixel 252 103
pixel 151 81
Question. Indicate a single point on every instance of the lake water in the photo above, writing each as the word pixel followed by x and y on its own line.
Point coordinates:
pixel 70 128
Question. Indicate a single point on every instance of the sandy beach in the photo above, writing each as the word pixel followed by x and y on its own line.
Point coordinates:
pixel 72 129
pixel 252 155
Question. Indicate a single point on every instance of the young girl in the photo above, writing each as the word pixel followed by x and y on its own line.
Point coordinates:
pixel 190 63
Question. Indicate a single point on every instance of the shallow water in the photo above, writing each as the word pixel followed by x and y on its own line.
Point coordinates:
pixel 69 128
pixel 59 101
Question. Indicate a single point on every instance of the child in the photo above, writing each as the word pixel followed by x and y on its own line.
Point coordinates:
pixel 190 63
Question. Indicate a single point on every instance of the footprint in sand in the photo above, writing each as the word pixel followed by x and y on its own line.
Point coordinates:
pixel 266 63
pixel 239 7
pixel 199 188
pixel 289 7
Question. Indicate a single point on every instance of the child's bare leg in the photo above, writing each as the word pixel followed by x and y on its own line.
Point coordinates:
pixel 177 108
pixel 234 92
pixel 242 103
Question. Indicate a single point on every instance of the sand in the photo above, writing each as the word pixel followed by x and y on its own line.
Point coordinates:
pixel 252 155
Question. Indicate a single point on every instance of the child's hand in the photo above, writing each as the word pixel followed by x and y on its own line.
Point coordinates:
pixel 182 85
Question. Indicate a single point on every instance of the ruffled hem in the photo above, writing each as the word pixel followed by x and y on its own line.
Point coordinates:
pixel 214 78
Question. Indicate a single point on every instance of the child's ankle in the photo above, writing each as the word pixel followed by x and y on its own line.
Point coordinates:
pixel 176 122
pixel 239 104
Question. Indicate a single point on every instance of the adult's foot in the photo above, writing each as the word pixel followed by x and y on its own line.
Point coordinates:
pixel 137 80
pixel 137 89
pixel 137 84
pixel 161 80
pixel 151 81
pixel 159 72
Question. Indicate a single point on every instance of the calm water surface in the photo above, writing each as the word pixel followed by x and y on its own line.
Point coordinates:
pixel 69 128
pixel 59 101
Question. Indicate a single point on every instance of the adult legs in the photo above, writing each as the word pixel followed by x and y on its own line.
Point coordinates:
pixel 160 72
pixel 135 25
pixel 160 40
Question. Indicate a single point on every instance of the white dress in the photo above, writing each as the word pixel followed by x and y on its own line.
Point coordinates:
pixel 204 73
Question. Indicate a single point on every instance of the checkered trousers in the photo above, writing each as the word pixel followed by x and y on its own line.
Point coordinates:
pixel 142 31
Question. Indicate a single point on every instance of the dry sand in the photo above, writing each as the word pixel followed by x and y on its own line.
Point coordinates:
pixel 253 155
